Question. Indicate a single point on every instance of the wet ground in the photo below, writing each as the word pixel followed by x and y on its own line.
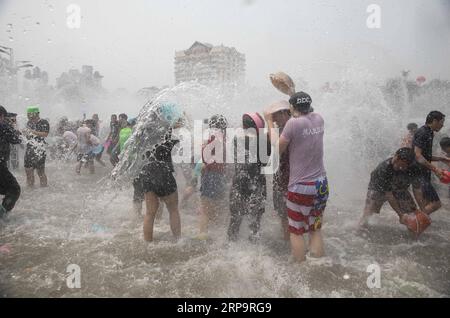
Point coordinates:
pixel 81 220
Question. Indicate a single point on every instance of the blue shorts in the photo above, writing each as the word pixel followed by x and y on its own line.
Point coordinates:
pixel 212 184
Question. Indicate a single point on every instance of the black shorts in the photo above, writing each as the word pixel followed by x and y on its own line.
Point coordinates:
pixel 159 181
pixel 428 191
pixel 34 159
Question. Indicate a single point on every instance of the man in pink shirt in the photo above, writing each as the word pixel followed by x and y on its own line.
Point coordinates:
pixel 308 186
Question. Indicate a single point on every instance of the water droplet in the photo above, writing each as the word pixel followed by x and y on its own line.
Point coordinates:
pixel 24 31
pixel 49 41
pixel 9 25
pixel 11 39
pixel 38 23
pixel 51 7
pixel 53 24
pixel 346 276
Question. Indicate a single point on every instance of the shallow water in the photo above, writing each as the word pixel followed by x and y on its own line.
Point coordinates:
pixel 80 220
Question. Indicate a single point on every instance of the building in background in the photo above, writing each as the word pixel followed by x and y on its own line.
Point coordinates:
pixel 9 69
pixel 86 78
pixel 209 65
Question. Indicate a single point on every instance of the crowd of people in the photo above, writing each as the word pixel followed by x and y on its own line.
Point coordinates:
pixel 300 185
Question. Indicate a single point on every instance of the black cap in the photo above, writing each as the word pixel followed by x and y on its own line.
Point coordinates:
pixel 3 111
pixel 11 115
pixel 301 101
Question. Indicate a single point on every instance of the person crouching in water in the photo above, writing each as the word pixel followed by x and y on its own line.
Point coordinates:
pixel 213 174
pixel 281 113
pixel 157 179
pixel 8 183
pixel 390 182
pixel 248 189
pixel 308 185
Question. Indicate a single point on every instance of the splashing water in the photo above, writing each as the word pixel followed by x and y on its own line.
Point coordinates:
pixel 82 220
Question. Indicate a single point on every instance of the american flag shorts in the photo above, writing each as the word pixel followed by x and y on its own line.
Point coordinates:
pixel 306 202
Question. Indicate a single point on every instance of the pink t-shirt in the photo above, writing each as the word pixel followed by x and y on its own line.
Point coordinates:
pixel 305 137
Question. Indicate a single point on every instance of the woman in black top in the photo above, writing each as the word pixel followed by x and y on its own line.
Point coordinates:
pixel 157 182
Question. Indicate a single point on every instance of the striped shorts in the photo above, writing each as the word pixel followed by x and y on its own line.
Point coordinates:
pixel 306 203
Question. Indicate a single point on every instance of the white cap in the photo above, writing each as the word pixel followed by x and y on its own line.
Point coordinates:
pixel 278 106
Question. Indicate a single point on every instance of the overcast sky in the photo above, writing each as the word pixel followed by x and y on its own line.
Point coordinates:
pixel 132 43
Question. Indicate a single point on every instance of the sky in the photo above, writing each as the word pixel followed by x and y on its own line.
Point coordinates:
pixel 132 43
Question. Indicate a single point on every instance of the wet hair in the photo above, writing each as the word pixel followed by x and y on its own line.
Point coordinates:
pixel 412 126
pixel 445 142
pixel 434 115
pixel 406 154
pixel 124 116
pixel 3 111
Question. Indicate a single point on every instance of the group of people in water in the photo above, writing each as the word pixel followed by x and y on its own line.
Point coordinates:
pixel 300 185
pixel 411 167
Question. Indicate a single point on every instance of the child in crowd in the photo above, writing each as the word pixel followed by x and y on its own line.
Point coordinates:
pixel 248 190
pixel 213 176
